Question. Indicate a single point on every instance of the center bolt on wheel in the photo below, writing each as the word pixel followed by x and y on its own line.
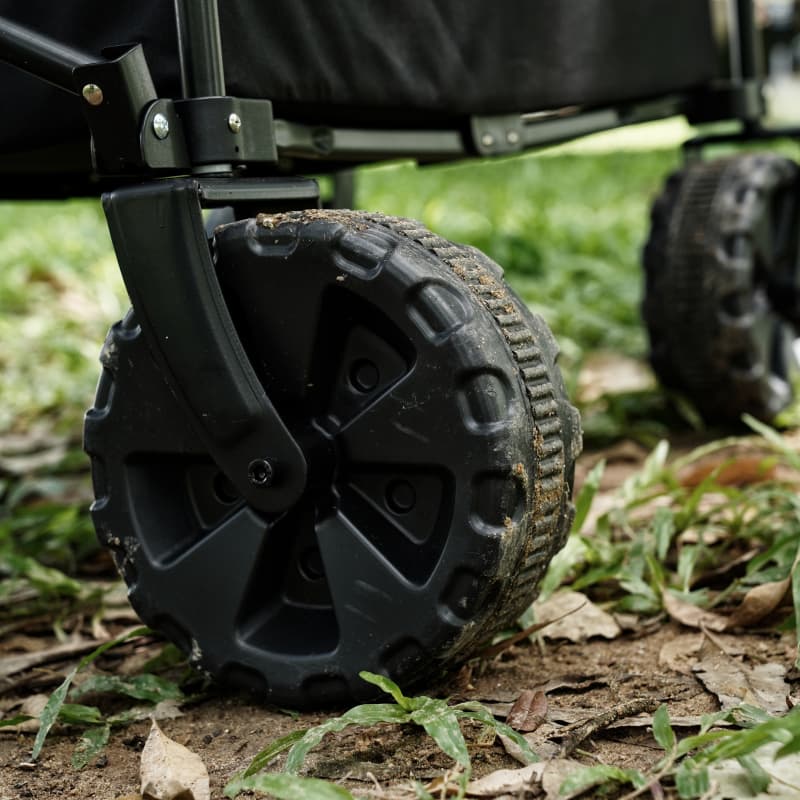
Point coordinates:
pixel 260 472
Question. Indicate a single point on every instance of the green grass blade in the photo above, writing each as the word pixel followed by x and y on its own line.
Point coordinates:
pixel 74 714
pixel 586 778
pixel 440 722
pixel 268 754
pixel 784 730
pixel 91 743
pixel 775 439
pixel 287 787
pixel 148 687
pixel 691 780
pixel 757 776
pixel 662 729
pixel 366 715
pixel 17 720
pixel 57 699
pixel 388 686
pixel 50 713
pixel 583 502
pixel 474 710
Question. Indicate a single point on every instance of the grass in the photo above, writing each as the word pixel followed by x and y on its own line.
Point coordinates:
pixel 568 228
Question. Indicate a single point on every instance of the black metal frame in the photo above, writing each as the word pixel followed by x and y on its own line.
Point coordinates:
pixel 180 305
pixel 137 135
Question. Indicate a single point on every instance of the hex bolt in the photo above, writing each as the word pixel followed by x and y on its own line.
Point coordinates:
pixel 92 94
pixel 261 473
pixel 234 123
pixel 160 126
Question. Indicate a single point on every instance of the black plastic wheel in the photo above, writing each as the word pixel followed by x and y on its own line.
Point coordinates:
pixel 440 449
pixel 721 292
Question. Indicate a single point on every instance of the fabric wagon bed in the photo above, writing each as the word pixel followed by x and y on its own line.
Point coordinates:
pixel 393 65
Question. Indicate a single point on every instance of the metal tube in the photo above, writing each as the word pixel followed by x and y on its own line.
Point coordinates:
pixel 200 48
pixel 41 56
pixel 748 40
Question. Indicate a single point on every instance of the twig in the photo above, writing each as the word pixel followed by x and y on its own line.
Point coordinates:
pixel 589 727
pixel 10 665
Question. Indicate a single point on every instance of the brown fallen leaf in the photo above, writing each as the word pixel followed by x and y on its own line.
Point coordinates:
pixel 742 470
pixel 555 772
pixel 528 712
pixel 605 372
pixel 31 706
pixel 505 644
pixel 575 617
pixel 759 602
pixel 170 771
pixel 680 654
pixel 734 683
pixel 506 781
pixel 691 615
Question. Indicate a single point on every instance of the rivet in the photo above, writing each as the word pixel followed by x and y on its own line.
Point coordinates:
pixel 512 137
pixel 234 123
pixel 92 94
pixel 487 140
pixel 160 126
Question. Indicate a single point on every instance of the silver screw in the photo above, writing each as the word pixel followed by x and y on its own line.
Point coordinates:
pixel 487 140
pixel 92 94
pixel 160 126
pixel 234 123
pixel 512 137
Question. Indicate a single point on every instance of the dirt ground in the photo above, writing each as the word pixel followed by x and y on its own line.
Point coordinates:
pixel 648 663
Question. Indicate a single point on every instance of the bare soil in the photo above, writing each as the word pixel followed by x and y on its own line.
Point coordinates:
pixel 580 681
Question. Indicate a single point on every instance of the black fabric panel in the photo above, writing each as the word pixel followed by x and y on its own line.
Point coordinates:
pixel 368 62
pixel 463 58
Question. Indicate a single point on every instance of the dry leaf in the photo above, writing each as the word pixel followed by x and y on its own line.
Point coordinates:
pixel 31 706
pixel 170 771
pixel 538 741
pixel 506 781
pixel 741 471
pixel 606 372
pixel 680 653
pixel 759 602
pixel 555 772
pixel 733 683
pixel 691 615
pixel 580 617
pixel 528 712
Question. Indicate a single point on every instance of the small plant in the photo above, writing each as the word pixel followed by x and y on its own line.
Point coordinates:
pixel 150 688
pixel 439 720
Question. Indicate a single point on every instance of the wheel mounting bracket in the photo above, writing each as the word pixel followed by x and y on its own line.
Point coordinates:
pixel 161 245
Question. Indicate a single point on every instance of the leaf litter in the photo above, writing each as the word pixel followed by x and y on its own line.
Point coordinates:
pixel 594 698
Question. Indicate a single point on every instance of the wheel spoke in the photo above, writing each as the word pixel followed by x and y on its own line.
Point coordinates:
pixel 208 582
pixel 280 326
pixel 367 591
pixel 412 424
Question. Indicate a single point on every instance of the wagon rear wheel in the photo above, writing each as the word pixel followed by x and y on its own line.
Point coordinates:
pixel 722 295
